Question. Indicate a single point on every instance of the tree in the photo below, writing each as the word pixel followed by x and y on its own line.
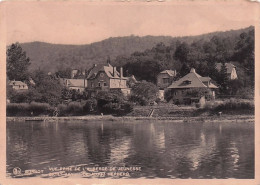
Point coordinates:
pixel 182 52
pixel 184 70
pixel 223 79
pixel 64 73
pixel 48 87
pixel 17 63
pixel 113 102
pixel 144 93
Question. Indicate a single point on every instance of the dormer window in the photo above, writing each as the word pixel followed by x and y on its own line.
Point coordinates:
pixel 101 75
pixel 187 82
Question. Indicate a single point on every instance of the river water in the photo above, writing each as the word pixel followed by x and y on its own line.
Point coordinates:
pixel 161 149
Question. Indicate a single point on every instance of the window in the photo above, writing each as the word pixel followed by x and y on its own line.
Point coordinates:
pixel 92 85
pixel 101 75
pixel 105 84
pixel 166 80
pixel 187 82
pixel 99 84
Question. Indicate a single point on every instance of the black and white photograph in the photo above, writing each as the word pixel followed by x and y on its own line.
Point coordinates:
pixel 129 90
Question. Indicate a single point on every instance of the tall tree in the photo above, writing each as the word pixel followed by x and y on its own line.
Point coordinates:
pixel 185 69
pixel 223 79
pixel 17 63
pixel 182 52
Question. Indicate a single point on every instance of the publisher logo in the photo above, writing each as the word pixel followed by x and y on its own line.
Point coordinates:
pixel 17 171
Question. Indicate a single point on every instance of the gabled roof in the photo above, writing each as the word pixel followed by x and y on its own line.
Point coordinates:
pixel 191 80
pixel 16 83
pixel 229 67
pixel 108 69
pixel 76 83
pixel 169 72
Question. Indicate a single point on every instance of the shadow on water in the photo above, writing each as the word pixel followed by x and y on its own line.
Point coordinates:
pixel 161 149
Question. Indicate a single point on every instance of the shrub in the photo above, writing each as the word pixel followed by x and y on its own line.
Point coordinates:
pixel 90 105
pixel 62 110
pixel 26 109
pixel 113 102
pixel 40 108
pixel 75 108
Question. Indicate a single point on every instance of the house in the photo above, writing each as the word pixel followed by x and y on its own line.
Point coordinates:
pixel 77 84
pixel 192 88
pixel 106 77
pixel 18 85
pixel 165 78
pixel 231 70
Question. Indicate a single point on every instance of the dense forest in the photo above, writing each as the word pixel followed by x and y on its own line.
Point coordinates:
pixel 53 57
pixel 202 54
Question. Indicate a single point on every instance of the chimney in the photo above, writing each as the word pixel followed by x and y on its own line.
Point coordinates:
pixel 108 60
pixel 114 71
pixel 121 72
pixel 192 70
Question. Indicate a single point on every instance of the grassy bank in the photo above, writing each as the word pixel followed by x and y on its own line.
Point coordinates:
pixel 214 110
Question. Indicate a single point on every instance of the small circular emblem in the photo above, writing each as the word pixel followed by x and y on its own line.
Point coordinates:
pixel 17 171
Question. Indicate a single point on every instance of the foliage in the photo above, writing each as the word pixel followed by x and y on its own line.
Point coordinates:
pixel 197 92
pixel 72 109
pixel 48 88
pixel 90 105
pixel 236 106
pixel 113 102
pixel 17 63
pixel 28 109
pixel 64 72
pixel 168 95
pixel 223 79
pixel 144 93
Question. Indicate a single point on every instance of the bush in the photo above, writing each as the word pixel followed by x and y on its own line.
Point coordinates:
pixel 232 106
pixel 90 105
pixel 235 106
pixel 113 102
pixel 72 109
pixel 26 109
pixel 40 108
pixel 62 110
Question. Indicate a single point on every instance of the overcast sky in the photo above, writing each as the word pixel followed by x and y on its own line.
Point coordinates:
pixel 83 23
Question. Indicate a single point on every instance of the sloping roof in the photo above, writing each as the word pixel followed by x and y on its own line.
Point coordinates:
pixel 132 78
pixel 191 80
pixel 76 83
pixel 229 67
pixel 108 69
pixel 16 83
pixel 169 72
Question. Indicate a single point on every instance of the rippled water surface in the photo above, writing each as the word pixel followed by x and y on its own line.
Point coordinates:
pixel 161 149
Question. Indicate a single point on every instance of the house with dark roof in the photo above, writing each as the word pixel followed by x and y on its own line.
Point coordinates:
pixel 231 70
pixel 18 85
pixel 106 77
pixel 165 78
pixel 192 88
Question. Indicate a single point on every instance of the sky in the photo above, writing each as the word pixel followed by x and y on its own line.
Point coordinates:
pixel 87 22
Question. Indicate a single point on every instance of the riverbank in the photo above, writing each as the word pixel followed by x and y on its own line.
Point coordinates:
pixel 224 118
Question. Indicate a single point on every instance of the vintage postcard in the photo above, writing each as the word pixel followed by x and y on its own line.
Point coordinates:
pixel 134 92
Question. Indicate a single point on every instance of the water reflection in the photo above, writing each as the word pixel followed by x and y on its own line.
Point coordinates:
pixel 162 149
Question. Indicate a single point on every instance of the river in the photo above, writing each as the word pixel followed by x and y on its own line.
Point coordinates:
pixel 161 149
